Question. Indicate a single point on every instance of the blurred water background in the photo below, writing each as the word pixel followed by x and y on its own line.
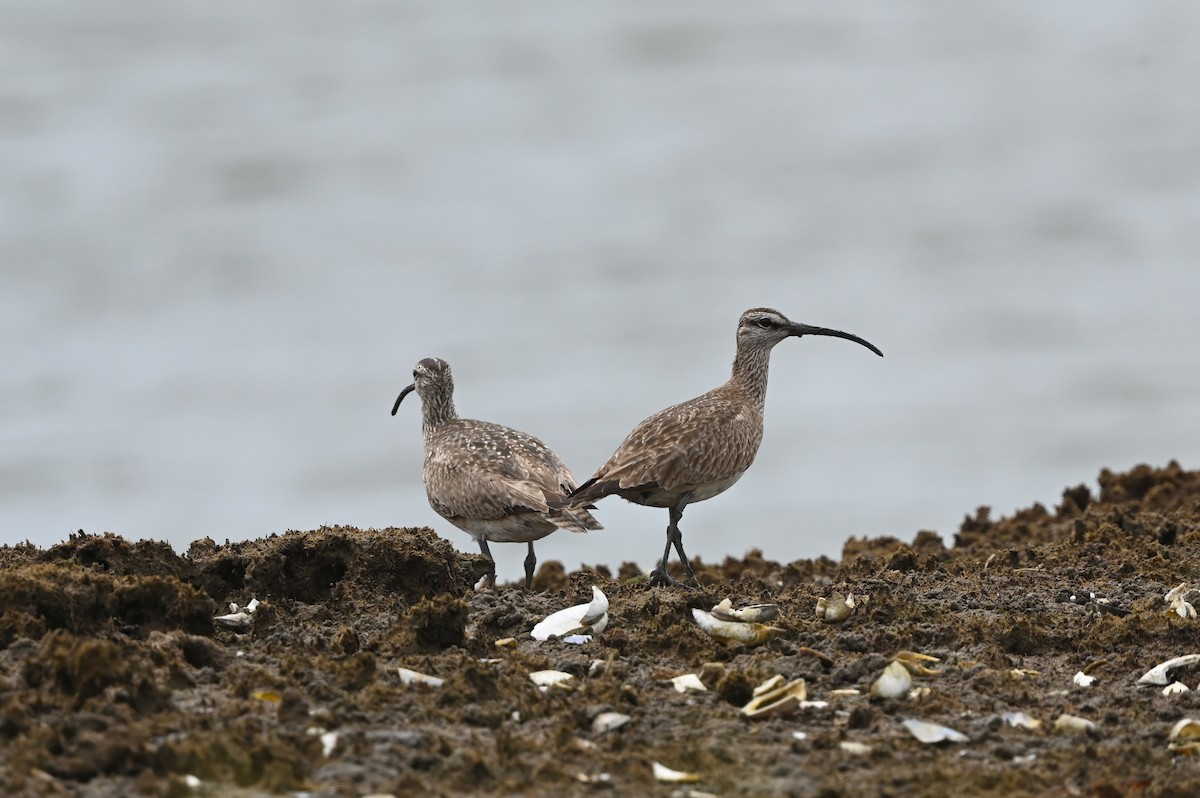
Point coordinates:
pixel 228 231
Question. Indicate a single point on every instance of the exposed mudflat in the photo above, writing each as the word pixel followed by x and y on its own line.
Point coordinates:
pixel 116 681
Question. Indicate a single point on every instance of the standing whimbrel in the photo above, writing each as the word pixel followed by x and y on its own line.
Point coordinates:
pixel 492 482
pixel 694 450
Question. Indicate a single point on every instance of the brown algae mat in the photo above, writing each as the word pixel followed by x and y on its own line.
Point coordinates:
pixel 115 679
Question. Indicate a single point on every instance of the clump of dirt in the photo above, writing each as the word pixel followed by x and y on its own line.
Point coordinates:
pixel 116 681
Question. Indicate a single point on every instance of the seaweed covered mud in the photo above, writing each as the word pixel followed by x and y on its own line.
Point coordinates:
pixel 1050 653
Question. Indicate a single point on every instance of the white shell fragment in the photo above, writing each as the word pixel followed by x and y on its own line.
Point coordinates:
pixel 547 679
pixel 239 617
pixel 1158 674
pixel 688 681
pixel 576 622
pixel 1177 598
pixel 733 631
pixel 593 778
pixel 851 747
pixel 927 732
pixel 664 773
pixel 773 698
pixel 754 613
pixel 894 682
pixel 1072 724
pixel 424 680
pixel 328 742
pixel 609 721
pixel 1175 687
pixel 836 608
pixel 1020 720
pixel 1084 680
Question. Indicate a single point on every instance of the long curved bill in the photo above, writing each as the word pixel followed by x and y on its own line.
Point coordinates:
pixel 400 398
pixel 807 329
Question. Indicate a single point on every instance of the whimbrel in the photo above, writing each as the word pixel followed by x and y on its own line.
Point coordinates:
pixel 492 482
pixel 697 449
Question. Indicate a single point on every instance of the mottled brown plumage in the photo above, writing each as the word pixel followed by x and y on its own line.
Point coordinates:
pixel 697 449
pixel 493 482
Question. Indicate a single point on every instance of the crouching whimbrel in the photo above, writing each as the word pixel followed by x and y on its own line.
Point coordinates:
pixel 492 482
pixel 693 451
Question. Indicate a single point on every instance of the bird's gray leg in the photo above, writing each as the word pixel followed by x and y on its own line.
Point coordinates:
pixel 530 562
pixel 491 575
pixel 659 575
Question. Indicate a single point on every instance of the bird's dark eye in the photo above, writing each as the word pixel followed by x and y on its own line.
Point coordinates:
pixel 766 324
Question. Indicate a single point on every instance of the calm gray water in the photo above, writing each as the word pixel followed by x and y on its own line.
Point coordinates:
pixel 228 232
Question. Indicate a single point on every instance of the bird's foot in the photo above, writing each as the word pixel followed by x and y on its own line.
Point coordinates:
pixel 660 577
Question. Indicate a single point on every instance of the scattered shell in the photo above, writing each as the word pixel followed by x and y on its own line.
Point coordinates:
pixel 799 735
pixel 1084 680
pixel 895 681
pixel 192 782
pixel 688 681
pixel 774 698
pixel 547 679
pixel 506 642
pixel 582 619
pixel 845 692
pixel 609 721
pixel 1177 598
pixel 238 620
pixel 753 613
pixel 328 742
pixel 1185 729
pixel 1023 673
pixel 1020 720
pixel 267 695
pixel 1175 687
pixel 598 667
pixel 813 704
pixel 836 608
pixel 851 747
pixel 664 773
pixel 1158 674
pixel 593 778
pixel 927 732
pixel 918 693
pixel 414 677
pixel 1073 724
pixel 733 631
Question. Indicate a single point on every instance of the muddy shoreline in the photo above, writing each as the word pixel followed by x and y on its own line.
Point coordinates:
pixel 115 680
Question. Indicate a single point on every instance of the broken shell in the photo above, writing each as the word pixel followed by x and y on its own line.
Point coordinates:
pixel 598 667
pixel 594 778
pixel 773 698
pixel 851 747
pixel 1020 720
pixel 547 679
pixel 1084 680
pixel 582 619
pixel 328 743
pixel 688 681
pixel 733 631
pixel 609 721
pixel 238 620
pixel 894 682
pixel 1175 687
pixel 506 642
pixel 845 692
pixel 1072 724
pixel 415 677
pixel 664 773
pixel 754 613
pixel 836 608
pixel 1158 674
pixel 1023 673
pixel 927 732
pixel 1185 729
